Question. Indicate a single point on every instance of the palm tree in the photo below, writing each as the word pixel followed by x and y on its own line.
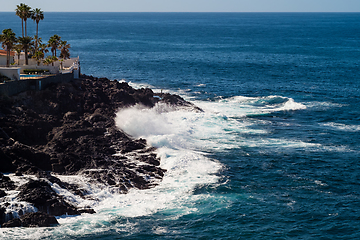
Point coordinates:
pixel 50 60
pixel 37 42
pixel 61 63
pixel 64 48
pixel 18 12
pixel 54 59
pixel 37 15
pixel 42 48
pixel 38 56
pixel 8 38
pixel 47 60
pixel 27 14
pixel 26 43
pixel 54 43
pixel 24 12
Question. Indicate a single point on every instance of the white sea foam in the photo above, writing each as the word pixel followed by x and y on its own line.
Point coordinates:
pixel 323 105
pixel 343 127
pixel 241 106
pixel 11 204
pixel 261 105
pixel 183 138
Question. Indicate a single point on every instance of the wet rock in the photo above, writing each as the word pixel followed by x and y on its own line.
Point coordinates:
pixel 177 101
pixel 87 210
pixel 38 219
pixel 25 153
pixel 2 193
pixel 2 215
pixel 68 129
pixel 133 145
pixel 36 192
pixel 150 158
pixel 40 193
pixel 12 223
pixel 34 219
pixel 6 183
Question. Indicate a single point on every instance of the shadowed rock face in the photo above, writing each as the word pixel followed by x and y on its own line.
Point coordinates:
pixel 38 219
pixel 70 129
pixel 43 197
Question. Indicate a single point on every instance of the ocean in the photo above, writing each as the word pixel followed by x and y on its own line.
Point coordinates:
pixel 275 153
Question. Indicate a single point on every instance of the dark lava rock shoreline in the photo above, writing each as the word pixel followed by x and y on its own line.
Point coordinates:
pixel 69 129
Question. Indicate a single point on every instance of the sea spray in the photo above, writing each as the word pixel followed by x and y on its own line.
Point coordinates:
pixel 183 139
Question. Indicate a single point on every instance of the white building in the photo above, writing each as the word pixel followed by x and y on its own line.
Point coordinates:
pixel 3 57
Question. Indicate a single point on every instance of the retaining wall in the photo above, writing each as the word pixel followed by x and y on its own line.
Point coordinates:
pixel 14 87
pixel 11 72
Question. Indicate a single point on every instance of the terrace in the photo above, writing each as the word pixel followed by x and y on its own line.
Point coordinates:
pixel 16 79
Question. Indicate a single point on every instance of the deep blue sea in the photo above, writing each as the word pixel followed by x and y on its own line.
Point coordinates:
pixel 274 155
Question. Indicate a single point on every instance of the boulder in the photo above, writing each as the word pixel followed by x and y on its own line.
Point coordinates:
pixel 40 193
pixel 38 219
pixel 2 215
pixel 34 219
pixel 69 128
pixel 2 193
pixel 6 162
pixel 12 223
pixel 6 183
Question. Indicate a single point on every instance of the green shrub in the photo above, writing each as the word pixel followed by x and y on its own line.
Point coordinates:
pixel 35 71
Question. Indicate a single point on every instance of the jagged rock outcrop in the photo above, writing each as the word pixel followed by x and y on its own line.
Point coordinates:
pixel 69 129
pixel 44 198
pixel 34 219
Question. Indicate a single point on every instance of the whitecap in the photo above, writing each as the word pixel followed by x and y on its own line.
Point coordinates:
pixel 342 127
pixel 241 106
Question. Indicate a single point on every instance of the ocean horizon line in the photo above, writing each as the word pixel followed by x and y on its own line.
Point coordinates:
pixel 186 12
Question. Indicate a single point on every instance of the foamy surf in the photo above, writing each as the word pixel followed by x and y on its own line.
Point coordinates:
pixel 187 169
pixel 183 138
pixel 245 106
pixel 342 127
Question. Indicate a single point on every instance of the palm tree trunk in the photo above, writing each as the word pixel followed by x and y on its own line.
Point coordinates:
pixel 26 56
pixel 7 57
pixel 25 29
pixel 37 36
pixel 22 26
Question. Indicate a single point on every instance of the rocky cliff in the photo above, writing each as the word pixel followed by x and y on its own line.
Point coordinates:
pixel 69 129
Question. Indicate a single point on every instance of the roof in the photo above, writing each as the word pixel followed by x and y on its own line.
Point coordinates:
pixel 3 53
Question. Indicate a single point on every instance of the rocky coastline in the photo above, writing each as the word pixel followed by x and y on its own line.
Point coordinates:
pixel 69 129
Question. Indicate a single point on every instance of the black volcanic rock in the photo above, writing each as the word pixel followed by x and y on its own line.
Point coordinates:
pixel 129 146
pixel 45 198
pixel 34 219
pixel 6 183
pixel 38 219
pixel 29 155
pixel 12 223
pixel 2 215
pixel 70 128
pixel 2 193
pixel 6 162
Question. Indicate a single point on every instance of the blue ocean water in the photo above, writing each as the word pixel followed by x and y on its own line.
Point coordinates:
pixel 274 155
